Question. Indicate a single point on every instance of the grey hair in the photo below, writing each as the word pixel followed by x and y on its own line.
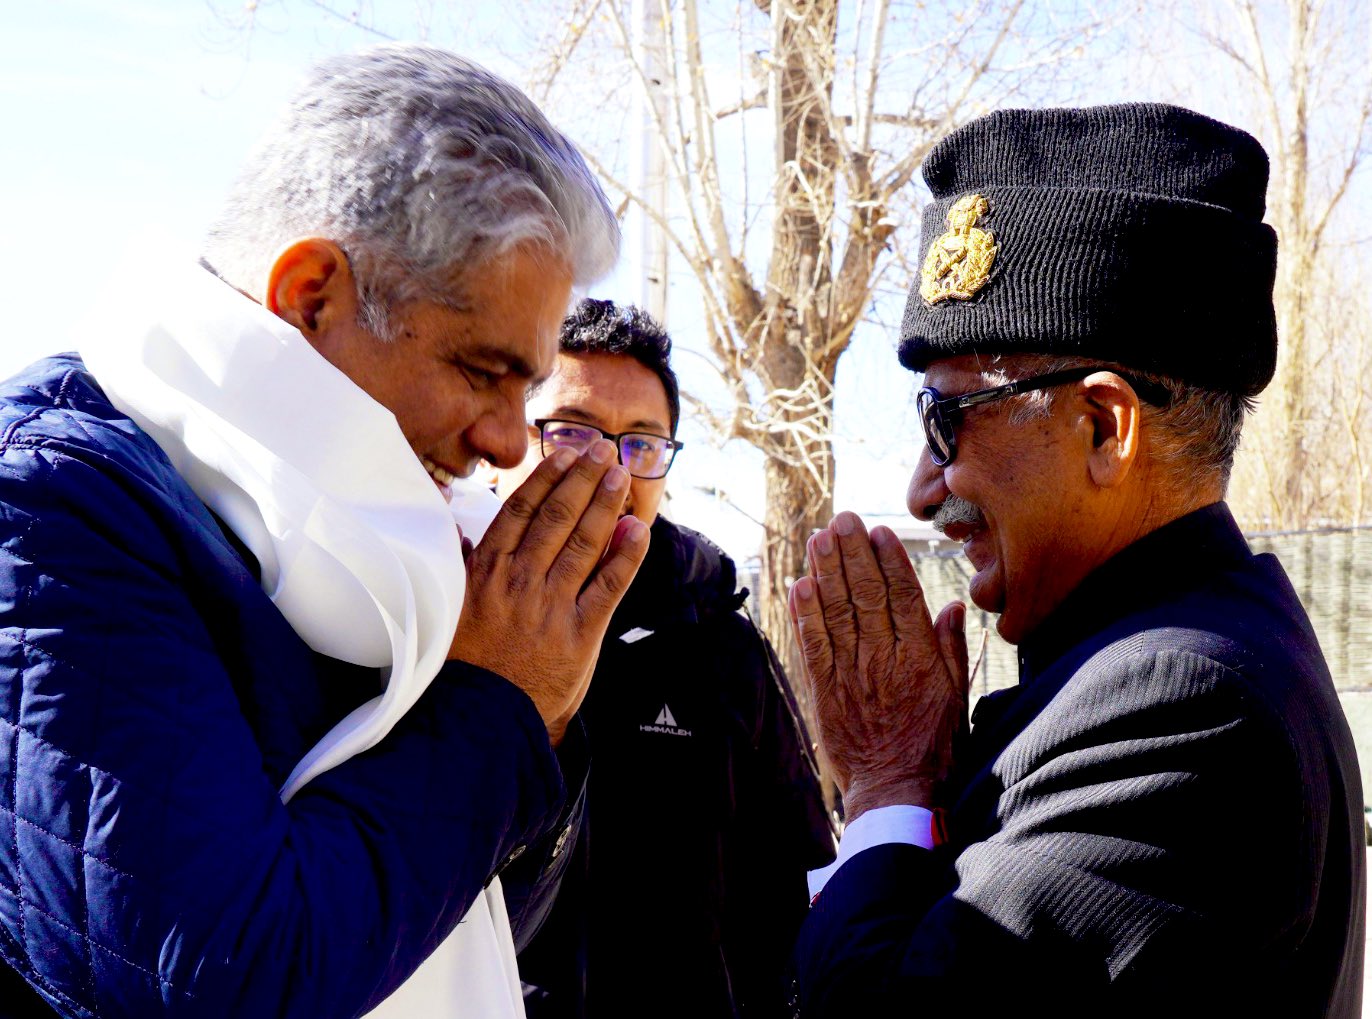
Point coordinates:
pixel 420 165
pixel 1197 432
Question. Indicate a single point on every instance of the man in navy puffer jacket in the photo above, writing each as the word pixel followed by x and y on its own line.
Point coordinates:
pixel 410 234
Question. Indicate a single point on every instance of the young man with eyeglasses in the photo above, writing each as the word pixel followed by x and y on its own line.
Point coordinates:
pixel 1164 817
pixel 687 881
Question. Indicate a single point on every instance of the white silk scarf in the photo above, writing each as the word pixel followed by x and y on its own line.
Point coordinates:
pixel 356 544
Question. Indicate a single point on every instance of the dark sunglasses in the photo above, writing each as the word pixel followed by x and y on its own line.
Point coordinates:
pixel 643 454
pixel 941 415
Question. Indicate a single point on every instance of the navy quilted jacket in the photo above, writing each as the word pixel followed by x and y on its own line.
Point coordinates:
pixel 152 700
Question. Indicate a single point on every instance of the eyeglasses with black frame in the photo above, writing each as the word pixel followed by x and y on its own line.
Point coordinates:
pixel 941 415
pixel 643 454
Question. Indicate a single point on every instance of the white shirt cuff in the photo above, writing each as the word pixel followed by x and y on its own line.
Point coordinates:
pixel 911 826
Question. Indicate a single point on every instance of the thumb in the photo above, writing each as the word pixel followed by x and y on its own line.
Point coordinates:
pixel 951 630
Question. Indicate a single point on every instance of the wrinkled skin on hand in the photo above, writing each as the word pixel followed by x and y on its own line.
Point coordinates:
pixel 544 581
pixel 889 685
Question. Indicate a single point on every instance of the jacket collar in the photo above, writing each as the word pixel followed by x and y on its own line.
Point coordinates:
pixel 684 578
pixel 1152 568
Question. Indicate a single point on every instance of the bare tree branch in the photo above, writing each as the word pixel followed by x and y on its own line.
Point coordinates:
pixel 901 173
pixel 574 28
pixel 754 102
pixel 354 19
pixel 867 97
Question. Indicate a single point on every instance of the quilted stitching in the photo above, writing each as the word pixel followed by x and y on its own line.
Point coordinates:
pixel 103 949
pixel 8 808
pixel 74 1007
pixel 12 797
pixel 48 876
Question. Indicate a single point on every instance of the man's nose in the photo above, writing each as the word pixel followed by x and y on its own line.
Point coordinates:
pixel 927 490
pixel 501 436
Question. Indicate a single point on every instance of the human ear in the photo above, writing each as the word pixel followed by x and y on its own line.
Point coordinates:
pixel 311 286
pixel 1112 416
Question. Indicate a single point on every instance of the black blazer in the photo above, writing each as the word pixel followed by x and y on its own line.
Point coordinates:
pixel 1163 818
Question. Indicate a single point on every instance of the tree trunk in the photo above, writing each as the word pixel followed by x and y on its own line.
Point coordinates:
pixel 1298 254
pixel 796 323
pixel 797 505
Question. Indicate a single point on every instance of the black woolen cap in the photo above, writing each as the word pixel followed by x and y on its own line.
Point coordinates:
pixel 1130 234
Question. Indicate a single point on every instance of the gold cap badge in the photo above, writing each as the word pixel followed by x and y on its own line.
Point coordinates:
pixel 959 261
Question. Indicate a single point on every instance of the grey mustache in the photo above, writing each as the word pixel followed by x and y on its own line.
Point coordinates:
pixel 956 510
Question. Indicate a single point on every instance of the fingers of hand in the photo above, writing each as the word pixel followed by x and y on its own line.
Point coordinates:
pixel 866 584
pixel 508 527
pixel 835 600
pixel 564 521
pixel 613 575
pixel 817 653
pixel 830 698
pixel 812 635
pixel 909 614
pixel 951 627
pixel 590 539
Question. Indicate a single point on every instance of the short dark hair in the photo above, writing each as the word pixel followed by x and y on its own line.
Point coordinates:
pixel 603 327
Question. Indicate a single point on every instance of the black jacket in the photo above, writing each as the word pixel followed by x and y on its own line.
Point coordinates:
pixel 687 884
pixel 1163 818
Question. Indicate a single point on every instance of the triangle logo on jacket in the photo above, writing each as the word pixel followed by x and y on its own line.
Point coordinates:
pixel 665 723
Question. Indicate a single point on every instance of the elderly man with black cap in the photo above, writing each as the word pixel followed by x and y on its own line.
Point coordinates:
pixel 1165 813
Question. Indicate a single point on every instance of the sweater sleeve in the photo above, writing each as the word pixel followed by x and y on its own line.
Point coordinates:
pixel 1112 875
pixel 147 864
